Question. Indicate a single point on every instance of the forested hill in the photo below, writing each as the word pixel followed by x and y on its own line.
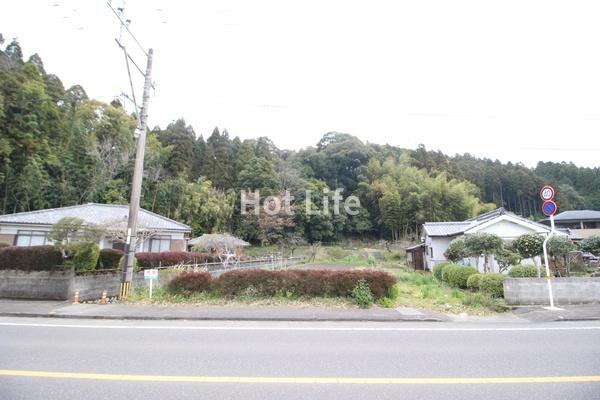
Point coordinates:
pixel 58 147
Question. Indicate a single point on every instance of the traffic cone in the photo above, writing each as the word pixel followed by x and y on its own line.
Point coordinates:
pixel 103 301
pixel 76 297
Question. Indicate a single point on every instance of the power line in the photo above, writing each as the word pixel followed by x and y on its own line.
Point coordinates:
pixel 125 25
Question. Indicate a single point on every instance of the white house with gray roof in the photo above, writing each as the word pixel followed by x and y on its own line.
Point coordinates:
pixel 32 228
pixel 438 235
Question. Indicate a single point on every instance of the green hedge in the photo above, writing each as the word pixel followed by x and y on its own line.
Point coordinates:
pixel 473 282
pixel 85 255
pixel 492 284
pixel 438 270
pixel 457 275
pixel 109 258
pixel 524 271
pixel 33 258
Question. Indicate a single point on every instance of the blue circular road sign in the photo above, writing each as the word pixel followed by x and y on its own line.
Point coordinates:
pixel 549 208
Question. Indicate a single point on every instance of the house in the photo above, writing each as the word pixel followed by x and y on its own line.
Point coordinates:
pixel 157 233
pixel 438 235
pixel 582 223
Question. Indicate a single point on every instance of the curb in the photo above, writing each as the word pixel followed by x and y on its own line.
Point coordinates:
pixel 266 319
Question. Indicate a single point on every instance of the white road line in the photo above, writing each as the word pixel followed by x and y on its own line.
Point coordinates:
pixel 305 328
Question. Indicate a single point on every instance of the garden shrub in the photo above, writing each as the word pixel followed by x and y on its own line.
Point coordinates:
pixel 148 260
pixel 473 282
pixel 85 255
pixel 136 266
pixel 393 293
pixel 524 271
pixel 457 275
pixel 485 301
pixel 438 270
pixel 309 283
pixel 191 282
pixel 109 258
pixel 492 284
pixel 387 303
pixel 361 293
pixel 33 258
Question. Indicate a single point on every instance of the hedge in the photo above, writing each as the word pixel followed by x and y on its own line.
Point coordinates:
pixel 33 258
pixel 457 275
pixel 85 255
pixel 524 271
pixel 438 270
pixel 310 283
pixel 473 282
pixel 167 258
pixel 109 258
pixel 191 282
pixel 492 284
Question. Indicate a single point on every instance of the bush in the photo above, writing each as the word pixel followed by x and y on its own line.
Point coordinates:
pixel 361 293
pixel 109 258
pixel 85 255
pixel 457 275
pixel 136 267
pixel 309 283
pixel 387 303
pixel 473 282
pixel 191 282
pixel 393 293
pixel 485 301
pixel 148 260
pixel 33 258
pixel 524 271
pixel 438 270
pixel 491 284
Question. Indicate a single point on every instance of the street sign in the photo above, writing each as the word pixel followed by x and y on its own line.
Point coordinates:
pixel 547 193
pixel 150 274
pixel 549 208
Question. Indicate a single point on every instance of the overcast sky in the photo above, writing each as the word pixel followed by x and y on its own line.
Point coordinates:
pixel 514 80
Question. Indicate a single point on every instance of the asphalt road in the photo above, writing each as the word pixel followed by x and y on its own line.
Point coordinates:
pixel 91 359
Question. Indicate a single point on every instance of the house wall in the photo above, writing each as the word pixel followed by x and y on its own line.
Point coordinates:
pixel 507 230
pixel 437 245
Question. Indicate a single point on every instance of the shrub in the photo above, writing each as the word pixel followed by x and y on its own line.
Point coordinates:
pixel 109 258
pixel 361 293
pixel 473 282
pixel 529 245
pixel 85 255
pixel 491 284
pixel 302 282
pixel 438 270
pixel 485 301
pixel 34 258
pixel 136 267
pixel 393 293
pixel 524 271
pixel 591 244
pixel 191 282
pixel 457 275
pixel 387 303
pixel 148 260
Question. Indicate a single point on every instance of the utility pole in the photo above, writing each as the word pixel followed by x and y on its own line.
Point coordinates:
pixel 136 186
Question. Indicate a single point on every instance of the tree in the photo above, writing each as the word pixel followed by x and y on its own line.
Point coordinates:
pixel 530 245
pixel 457 250
pixel 69 230
pixel 486 244
pixel 558 249
pixel 591 244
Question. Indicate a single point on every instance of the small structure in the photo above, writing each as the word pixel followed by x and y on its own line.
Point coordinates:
pixel 438 235
pixel 415 256
pixel 157 233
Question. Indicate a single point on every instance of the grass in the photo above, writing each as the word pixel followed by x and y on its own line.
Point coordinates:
pixel 421 290
pixel 163 297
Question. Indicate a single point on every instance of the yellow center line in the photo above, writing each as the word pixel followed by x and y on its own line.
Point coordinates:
pixel 301 380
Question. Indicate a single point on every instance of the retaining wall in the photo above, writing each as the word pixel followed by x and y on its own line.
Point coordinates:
pixel 534 291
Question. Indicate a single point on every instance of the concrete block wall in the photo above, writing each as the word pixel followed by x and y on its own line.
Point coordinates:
pixel 534 291
pixel 90 286
pixel 47 285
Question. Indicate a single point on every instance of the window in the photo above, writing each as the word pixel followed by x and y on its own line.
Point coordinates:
pixel 156 244
pixel 30 238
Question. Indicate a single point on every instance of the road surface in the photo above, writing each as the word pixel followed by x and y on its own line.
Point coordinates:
pixel 94 359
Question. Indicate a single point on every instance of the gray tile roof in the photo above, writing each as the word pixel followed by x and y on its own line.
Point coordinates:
pixel 447 228
pixel 98 214
pixel 577 215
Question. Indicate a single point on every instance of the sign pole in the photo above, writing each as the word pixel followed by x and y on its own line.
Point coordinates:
pixel 549 209
pixel 151 280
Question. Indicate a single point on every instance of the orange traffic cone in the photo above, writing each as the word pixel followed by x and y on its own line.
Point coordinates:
pixel 76 297
pixel 103 301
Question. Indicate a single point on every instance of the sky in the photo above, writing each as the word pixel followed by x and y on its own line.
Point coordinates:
pixel 511 80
